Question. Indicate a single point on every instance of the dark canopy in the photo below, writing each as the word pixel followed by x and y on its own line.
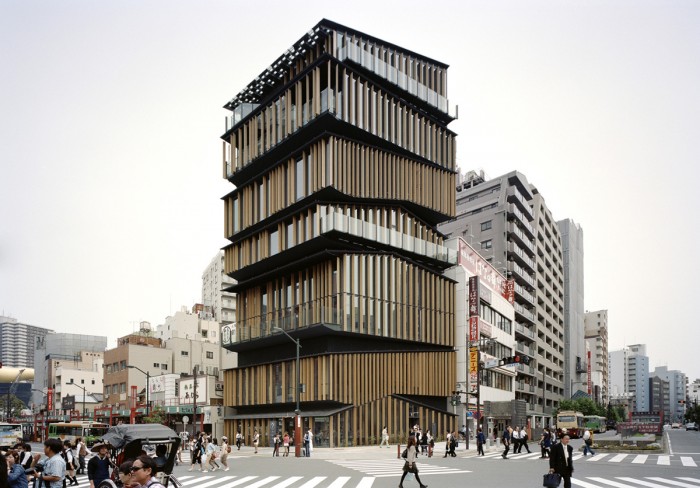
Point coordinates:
pixel 120 435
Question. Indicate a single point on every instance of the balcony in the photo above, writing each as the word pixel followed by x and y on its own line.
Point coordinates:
pixel 519 309
pixel 524 331
pixel 519 236
pixel 515 197
pixel 521 292
pixel 524 221
pixel 523 348
pixel 521 273
pixel 519 255
pixel 528 370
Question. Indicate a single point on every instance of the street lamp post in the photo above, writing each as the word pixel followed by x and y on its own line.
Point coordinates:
pixel 84 395
pixel 148 381
pixel 297 412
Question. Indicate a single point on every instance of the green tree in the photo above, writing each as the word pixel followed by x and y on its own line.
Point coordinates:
pixel 157 416
pixel 621 413
pixel 692 414
pixel 14 404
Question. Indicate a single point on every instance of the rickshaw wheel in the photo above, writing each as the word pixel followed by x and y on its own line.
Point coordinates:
pixel 107 484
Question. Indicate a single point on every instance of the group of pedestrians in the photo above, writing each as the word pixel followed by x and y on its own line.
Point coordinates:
pixel 206 453
pixel 516 437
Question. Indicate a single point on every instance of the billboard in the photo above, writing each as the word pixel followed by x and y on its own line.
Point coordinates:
pixel 186 395
pixel 473 368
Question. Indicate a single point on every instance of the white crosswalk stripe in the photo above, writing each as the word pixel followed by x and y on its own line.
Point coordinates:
pixel 386 469
pixel 688 461
pixel 640 459
pixel 627 482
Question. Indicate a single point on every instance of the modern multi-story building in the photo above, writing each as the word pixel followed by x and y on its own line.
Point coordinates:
pixel 575 352
pixel 493 337
pixel 629 376
pixel 214 282
pixel 677 391
pixel 140 350
pixel 596 333
pixel 506 220
pixel 694 392
pixel 341 158
pixel 659 397
pixel 78 356
pixel 18 341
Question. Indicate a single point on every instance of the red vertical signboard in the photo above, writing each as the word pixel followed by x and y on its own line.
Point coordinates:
pixel 473 296
pixel 589 373
pixel 49 399
pixel 473 333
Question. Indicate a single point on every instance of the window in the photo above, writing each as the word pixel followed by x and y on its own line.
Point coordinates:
pixel 210 355
pixel 204 334
pixel 123 387
pixel 156 365
pixel 299 178
pixel 164 366
pixel 486 244
pixel 486 225
pixel 184 353
pixel 122 365
pixel 274 243
pixel 93 382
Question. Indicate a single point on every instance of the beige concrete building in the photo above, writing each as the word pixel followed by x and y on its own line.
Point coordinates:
pixel 596 332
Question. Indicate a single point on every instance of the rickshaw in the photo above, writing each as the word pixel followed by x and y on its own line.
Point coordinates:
pixel 129 441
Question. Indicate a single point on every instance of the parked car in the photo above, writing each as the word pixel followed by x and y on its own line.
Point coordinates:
pixel 675 425
pixel 691 426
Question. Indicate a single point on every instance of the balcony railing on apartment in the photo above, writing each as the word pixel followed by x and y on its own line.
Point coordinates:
pixel 343 311
pixel 524 221
pixel 524 330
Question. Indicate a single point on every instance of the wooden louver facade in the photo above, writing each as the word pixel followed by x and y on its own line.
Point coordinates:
pixel 343 166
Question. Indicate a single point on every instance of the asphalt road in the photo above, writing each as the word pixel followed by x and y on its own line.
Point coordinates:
pixel 372 467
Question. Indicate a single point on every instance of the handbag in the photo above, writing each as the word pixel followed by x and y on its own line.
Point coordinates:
pixel 409 476
pixel 404 454
pixel 551 480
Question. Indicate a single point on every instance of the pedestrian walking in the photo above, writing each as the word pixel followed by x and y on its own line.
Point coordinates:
pixel 81 449
pixel 431 443
pixel 480 440
pixel 523 440
pixel 54 467
pixel 212 451
pixel 69 458
pixel 506 443
pixel 276 445
pixel 256 440
pixel 16 477
pixel 143 471
pixel 308 442
pixel 98 466
pixel 239 439
pixel 285 444
pixel 385 437
pixel 448 441
pixel 588 442
pixel 225 451
pixel 196 452
pixel 424 444
pixel 410 465
pixel 561 460
pixel 453 444
pixel 515 440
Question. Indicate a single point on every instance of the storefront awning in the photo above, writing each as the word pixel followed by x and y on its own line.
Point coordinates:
pixel 287 413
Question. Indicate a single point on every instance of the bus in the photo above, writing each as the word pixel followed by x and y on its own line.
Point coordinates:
pixel 595 423
pixel 10 434
pixel 91 432
pixel 570 421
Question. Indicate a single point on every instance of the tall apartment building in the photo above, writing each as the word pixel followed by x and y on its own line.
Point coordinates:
pixel 677 391
pixel 596 333
pixel 694 392
pixel 18 341
pixel 660 397
pixel 629 376
pixel 214 282
pixel 575 353
pixel 506 220
pixel 341 158
pixel 82 354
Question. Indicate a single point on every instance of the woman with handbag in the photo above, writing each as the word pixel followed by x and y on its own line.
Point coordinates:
pixel 410 464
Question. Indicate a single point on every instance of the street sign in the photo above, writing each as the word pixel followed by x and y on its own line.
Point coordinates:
pixel 185 419
pixel 491 363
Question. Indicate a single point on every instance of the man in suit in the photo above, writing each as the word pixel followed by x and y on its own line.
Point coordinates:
pixel 560 460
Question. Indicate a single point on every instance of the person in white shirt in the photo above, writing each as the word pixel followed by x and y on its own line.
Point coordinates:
pixel 385 437
pixel 515 439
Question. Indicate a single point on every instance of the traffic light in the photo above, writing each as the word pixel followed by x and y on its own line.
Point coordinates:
pixel 508 360
pixel 682 402
pixel 520 358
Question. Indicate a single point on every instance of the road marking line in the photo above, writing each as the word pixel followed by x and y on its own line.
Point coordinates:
pixel 643 483
pixel 597 457
pixel 196 480
pixel 365 482
pixel 577 456
pixel 668 440
pixel 688 461
pixel 640 459
pixel 694 480
pixel 422 473
pixel 215 481
pixel 289 481
pixel 262 482
pixel 239 482
pixel 338 483
pixel 618 458
pixel 673 483
pixel 578 482
pixel 313 482
pixel 664 461
pixel 611 483
pixel 534 455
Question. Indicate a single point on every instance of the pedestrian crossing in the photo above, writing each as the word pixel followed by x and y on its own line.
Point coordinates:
pixel 276 482
pixel 627 482
pixel 647 459
pixel 383 468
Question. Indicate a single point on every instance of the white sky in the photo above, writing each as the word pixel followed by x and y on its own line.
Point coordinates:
pixel 110 157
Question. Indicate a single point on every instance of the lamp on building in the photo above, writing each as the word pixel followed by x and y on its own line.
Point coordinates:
pixel 297 412
pixel 148 381
pixel 84 395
